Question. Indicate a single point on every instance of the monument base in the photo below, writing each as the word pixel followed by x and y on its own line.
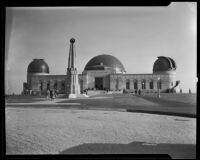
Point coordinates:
pixel 83 95
pixel 72 96
pixel 77 96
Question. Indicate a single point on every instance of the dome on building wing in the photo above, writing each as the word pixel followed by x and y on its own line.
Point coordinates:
pixel 104 61
pixel 38 66
pixel 164 64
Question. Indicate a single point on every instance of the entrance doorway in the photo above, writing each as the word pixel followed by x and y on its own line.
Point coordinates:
pixel 99 83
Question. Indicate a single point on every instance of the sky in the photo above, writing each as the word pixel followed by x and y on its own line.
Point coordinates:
pixel 134 35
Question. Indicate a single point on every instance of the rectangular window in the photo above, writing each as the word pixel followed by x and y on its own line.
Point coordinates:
pixel 48 85
pixel 63 85
pixel 159 84
pixel 127 84
pixel 41 85
pixel 116 84
pixel 151 84
pixel 143 84
pixel 136 84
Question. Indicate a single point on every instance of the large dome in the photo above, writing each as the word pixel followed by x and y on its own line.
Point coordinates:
pixel 38 66
pixel 164 64
pixel 102 62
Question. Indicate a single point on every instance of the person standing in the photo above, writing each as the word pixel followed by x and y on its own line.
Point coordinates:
pixel 139 92
pixel 56 93
pixel 136 92
pixel 51 94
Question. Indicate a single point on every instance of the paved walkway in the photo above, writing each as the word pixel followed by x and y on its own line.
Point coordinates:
pixel 44 101
pixel 52 131
pixel 56 102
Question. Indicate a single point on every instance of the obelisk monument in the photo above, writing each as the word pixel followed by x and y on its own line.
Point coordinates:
pixel 73 88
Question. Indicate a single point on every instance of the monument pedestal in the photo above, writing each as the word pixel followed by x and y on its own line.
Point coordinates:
pixel 72 96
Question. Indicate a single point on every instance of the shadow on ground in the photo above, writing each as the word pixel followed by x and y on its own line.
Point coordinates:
pixel 173 150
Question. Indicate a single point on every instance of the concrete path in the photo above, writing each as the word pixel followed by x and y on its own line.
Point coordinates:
pixel 52 131
pixel 48 102
pixel 44 101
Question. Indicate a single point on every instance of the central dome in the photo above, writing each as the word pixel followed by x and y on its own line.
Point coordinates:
pixel 104 61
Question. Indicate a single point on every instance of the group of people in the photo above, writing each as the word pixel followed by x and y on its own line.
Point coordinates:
pixel 52 94
pixel 138 92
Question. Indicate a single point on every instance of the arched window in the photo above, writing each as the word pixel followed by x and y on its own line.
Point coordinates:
pixel 151 84
pixel 135 84
pixel 127 84
pixel 143 84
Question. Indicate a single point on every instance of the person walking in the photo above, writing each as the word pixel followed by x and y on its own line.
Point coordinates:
pixel 48 94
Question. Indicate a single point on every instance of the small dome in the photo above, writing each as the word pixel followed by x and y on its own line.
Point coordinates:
pixel 38 66
pixel 102 62
pixel 164 64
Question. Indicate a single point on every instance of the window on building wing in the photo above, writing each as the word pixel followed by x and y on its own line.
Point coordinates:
pixel 127 84
pixel 63 85
pixel 151 84
pixel 41 85
pixel 116 84
pixel 143 84
pixel 135 84
pixel 159 84
pixel 48 84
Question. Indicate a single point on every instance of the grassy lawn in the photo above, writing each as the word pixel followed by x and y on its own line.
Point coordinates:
pixel 172 104
pixel 178 97
pixel 117 100
pixel 150 103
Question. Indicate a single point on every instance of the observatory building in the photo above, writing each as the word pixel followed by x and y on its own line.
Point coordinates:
pixel 103 72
